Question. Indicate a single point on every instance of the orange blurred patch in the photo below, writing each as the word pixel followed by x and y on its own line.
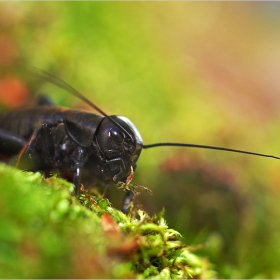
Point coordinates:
pixel 120 246
pixel 110 226
pixel 13 92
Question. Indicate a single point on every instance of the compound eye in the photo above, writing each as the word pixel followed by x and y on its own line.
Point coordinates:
pixel 116 136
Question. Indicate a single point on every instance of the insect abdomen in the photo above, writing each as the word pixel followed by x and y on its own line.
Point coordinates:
pixel 23 121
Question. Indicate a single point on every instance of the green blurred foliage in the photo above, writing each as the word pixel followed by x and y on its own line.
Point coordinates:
pixel 195 72
pixel 45 232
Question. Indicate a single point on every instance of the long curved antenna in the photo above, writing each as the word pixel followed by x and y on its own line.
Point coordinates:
pixel 205 147
pixel 60 83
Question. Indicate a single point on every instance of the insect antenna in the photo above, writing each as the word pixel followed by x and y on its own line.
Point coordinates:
pixel 60 83
pixel 148 146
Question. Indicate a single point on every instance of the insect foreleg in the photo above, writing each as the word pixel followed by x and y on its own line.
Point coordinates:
pixel 77 166
pixel 127 201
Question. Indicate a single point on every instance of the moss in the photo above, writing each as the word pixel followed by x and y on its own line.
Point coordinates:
pixel 45 232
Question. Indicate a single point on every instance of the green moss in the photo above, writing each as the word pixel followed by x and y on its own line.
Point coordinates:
pixel 47 233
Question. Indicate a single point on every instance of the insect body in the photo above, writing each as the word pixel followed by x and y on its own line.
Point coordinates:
pixel 48 137
pixel 58 137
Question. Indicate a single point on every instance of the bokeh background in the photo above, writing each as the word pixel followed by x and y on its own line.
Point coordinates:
pixel 194 72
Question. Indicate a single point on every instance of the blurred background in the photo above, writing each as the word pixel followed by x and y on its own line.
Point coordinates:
pixel 193 72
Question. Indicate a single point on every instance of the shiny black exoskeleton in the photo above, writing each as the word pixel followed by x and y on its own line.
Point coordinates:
pixel 52 137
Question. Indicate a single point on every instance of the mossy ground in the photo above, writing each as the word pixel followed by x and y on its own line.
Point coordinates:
pixel 45 232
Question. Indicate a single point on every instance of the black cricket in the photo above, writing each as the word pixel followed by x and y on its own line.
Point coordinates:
pixel 46 137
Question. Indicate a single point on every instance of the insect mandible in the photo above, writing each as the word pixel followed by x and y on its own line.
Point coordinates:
pixel 49 137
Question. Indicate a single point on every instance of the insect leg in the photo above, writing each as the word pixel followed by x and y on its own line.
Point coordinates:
pixel 29 149
pixel 77 180
pixel 79 162
pixel 126 201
